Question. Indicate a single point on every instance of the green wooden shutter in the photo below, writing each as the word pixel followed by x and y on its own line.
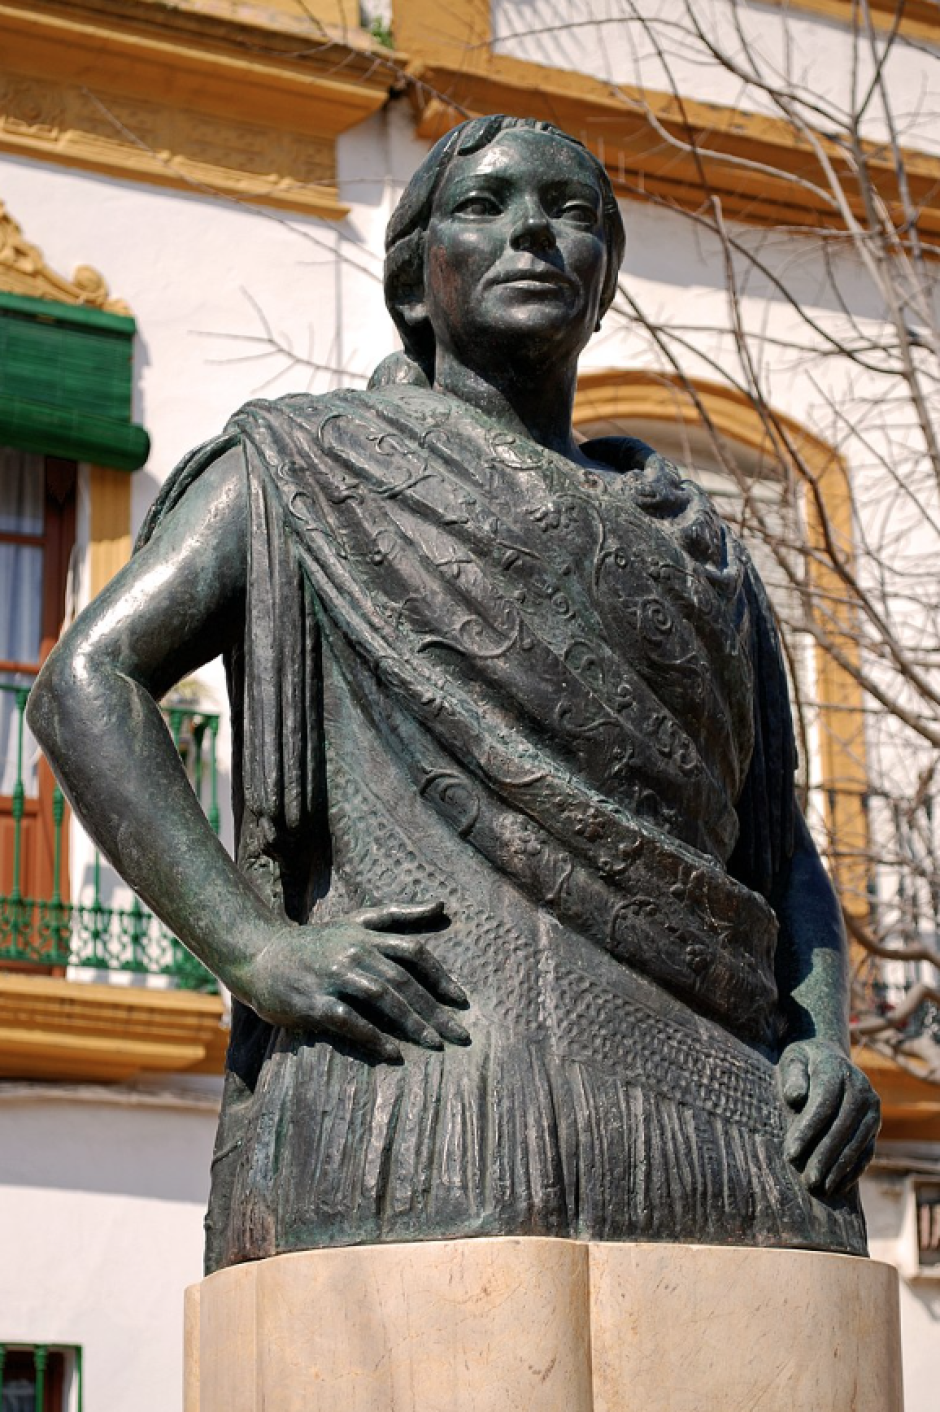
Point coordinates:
pixel 65 383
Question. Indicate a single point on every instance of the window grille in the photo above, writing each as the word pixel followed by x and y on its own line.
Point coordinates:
pixel 40 1377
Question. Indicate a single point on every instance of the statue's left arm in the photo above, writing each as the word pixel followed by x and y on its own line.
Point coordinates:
pixel 835 1113
pixel 833 1110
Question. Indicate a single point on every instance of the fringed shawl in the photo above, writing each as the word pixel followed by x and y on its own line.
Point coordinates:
pixel 579 670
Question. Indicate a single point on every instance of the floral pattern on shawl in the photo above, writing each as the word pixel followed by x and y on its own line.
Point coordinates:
pixel 579 672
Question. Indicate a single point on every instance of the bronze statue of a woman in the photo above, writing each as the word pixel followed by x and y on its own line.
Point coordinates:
pixel 526 933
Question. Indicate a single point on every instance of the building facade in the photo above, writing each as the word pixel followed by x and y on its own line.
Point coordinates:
pixel 194 197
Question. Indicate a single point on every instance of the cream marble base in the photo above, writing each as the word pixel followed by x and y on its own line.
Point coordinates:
pixel 532 1325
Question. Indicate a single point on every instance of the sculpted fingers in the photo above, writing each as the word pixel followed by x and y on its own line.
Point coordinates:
pixel 794 1078
pixel 832 1137
pixel 823 1102
pixel 391 915
pixel 417 986
pixel 831 1144
pixel 352 980
pixel 850 1144
pixel 300 1007
pixel 392 1005
pixel 854 1157
pixel 342 1020
pixel 435 1014
pixel 391 966
pixel 421 963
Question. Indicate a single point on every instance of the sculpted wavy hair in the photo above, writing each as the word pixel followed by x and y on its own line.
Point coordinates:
pixel 407 231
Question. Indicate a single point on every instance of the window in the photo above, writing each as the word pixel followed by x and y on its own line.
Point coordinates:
pixel 37 534
pixel 66 385
pixel 40 1378
pixel 927 1199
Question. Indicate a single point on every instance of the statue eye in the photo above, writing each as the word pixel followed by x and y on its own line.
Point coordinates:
pixel 580 212
pixel 478 205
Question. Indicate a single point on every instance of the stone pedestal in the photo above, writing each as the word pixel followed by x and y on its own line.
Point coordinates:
pixel 532 1325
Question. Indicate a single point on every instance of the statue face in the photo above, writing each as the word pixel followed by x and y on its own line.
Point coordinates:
pixel 515 254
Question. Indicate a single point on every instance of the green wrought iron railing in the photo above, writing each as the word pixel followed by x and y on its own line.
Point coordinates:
pixel 56 932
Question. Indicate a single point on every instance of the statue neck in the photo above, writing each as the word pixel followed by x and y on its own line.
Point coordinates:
pixel 538 407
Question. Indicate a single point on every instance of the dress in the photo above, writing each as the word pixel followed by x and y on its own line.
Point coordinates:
pixel 555 700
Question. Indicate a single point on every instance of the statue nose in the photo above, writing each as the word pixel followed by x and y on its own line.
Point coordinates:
pixel 533 232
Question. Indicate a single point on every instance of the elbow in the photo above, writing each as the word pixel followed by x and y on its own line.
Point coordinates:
pixel 61 698
pixel 43 709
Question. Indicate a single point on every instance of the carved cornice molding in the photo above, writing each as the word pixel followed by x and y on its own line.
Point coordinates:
pixel 184 99
pixel 245 98
pixel 23 270
pixel 58 1029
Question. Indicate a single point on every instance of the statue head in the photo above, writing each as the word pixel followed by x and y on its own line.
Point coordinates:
pixel 407 234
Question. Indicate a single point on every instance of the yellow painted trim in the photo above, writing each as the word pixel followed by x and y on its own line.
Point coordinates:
pixel 200 106
pixel 636 394
pixel 23 270
pixel 420 26
pixel 910 1105
pixel 920 19
pixel 842 743
pixel 109 545
pixel 644 396
pixel 624 126
pixel 337 15
pixel 335 20
pixel 418 22
pixel 58 1029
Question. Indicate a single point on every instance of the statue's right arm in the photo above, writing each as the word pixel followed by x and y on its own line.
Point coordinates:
pixel 175 606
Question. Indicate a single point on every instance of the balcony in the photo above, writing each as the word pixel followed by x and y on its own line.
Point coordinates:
pixel 154 1007
pixel 55 934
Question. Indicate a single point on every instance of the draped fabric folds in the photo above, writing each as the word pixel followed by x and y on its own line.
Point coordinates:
pixel 557 696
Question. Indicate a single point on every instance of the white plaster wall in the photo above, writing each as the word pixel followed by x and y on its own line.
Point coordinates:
pixel 204 278
pixel 920 1343
pixel 209 279
pixel 225 293
pixel 231 302
pixel 892 1238
pixel 653 44
pixel 101 1209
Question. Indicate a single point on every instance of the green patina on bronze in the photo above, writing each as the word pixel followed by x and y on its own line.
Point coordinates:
pixel 525 930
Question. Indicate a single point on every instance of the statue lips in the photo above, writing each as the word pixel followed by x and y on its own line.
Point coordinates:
pixel 534 277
